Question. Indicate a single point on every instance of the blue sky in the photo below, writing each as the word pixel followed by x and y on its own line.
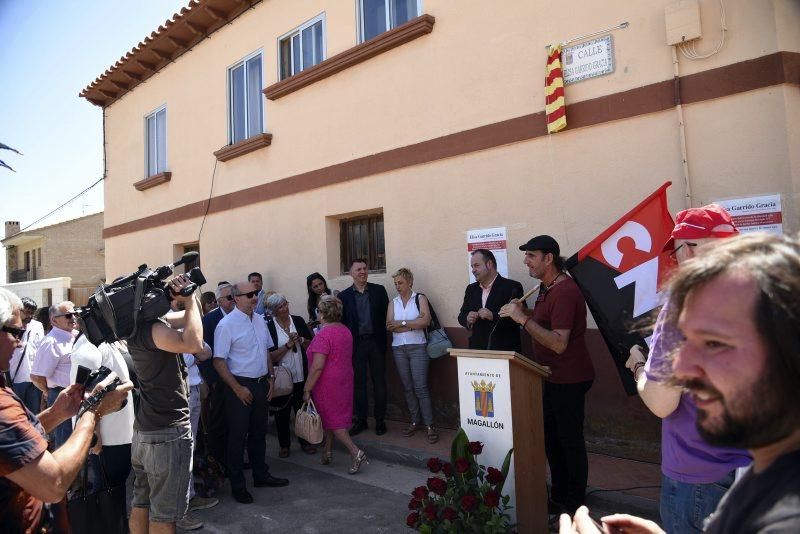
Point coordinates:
pixel 49 51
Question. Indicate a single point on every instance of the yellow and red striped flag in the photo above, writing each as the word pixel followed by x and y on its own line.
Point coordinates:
pixel 555 107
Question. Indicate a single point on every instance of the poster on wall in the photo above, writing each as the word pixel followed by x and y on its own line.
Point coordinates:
pixel 493 239
pixel 484 393
pixel 755 214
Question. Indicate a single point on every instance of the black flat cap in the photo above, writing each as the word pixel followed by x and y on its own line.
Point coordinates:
pixel 545 243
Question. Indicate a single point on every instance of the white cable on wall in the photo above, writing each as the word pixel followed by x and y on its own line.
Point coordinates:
pixel 689 50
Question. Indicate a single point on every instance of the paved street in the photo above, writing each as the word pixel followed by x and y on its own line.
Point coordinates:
pixel 320 498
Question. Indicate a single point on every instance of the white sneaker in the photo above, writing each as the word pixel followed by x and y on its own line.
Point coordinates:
pixel 189 522
pixel 202 503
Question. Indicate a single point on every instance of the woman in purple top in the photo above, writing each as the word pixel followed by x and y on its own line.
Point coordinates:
pixel 330 380
pixel 695 475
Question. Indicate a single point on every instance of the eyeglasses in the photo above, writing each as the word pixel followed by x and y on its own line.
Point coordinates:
pixel 229 298
pixel 16 332
pixel 249 295
pixel 676 249
pixel 68 315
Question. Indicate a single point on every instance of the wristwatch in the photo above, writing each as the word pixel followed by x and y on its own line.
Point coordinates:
pixel 403 323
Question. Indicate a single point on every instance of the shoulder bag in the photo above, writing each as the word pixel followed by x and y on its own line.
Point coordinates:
pixel 308 423
pixel 438 340
pixel 101 512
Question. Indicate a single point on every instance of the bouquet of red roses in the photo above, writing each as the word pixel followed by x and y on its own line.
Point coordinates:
pixel 463 496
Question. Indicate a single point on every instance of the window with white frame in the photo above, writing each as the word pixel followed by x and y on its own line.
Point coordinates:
pixel 378 16
pixel 245 108
pixel 302 48
pixel 156 141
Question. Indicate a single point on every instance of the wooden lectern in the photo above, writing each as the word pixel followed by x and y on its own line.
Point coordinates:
pixel 500 397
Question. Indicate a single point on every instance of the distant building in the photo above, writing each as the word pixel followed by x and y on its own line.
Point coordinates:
pixel 38 260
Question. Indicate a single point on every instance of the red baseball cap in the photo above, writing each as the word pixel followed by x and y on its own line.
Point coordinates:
pixel 698 223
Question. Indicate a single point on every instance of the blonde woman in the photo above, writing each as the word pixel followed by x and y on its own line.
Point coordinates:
pixel 330 380
pixel 406 318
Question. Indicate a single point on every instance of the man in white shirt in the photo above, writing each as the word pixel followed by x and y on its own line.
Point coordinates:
pixel 22 359
pixel 242 361
pixel 51 366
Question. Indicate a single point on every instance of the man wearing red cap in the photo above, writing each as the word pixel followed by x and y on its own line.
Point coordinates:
pixel 695 475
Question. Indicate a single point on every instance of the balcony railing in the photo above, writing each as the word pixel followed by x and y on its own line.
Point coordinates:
pixel 22 275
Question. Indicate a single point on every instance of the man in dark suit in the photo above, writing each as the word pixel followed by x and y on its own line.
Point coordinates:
pixel 215 404
pixel 365 307
pixel 483 300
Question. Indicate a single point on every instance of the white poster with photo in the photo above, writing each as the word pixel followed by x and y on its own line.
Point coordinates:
pixel 493 239
pixel 484 393
pixel 755 214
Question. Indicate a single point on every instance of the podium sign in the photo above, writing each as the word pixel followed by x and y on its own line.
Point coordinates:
pixel 500 398
pixel 484 392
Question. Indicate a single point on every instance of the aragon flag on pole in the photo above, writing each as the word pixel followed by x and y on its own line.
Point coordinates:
pixel 620 274
pixel 555 107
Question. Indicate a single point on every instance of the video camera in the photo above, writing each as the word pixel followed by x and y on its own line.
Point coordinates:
pixel 114 310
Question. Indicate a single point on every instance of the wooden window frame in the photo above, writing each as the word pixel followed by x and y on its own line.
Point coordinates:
pixel 373 253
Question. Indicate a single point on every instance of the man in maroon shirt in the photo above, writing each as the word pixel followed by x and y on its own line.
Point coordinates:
pixel 557 325
pixel 29 474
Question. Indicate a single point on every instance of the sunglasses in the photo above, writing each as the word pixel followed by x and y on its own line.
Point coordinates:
pixel 16 332
pixel 248 295
pixel 69 315
pixel 229 298
pixel 675 251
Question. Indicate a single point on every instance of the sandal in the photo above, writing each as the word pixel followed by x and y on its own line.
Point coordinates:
pixel 283 453
pixel 326 458
pixel 360 458
pixel 433 437
pixel 410 430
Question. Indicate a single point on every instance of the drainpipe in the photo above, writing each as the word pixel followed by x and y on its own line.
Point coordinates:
pixel 681 128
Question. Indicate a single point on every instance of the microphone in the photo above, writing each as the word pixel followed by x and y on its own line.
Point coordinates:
pixel 523 298
pixel 188 257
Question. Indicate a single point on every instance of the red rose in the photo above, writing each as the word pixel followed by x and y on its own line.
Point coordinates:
pixel 469 503
pixel 494 476
pixel 435 465
pixel 447 469
pixel 412 520
pixel 437 485
pixel 491 499
pixel 475 447
pixel 414 504
pixel 449 514
pixel 430 512
pixel 420 492
pixel 462 465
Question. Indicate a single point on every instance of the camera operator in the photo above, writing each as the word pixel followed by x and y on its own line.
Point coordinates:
pixel 29 474
pixel 161 451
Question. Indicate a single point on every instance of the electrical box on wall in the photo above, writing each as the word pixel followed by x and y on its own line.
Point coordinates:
pixel 682 21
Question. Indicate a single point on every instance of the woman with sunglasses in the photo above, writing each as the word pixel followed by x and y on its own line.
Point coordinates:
pixel 290 338
pixel 317 286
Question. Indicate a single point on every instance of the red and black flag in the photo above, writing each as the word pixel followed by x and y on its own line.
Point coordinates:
pixel 621 272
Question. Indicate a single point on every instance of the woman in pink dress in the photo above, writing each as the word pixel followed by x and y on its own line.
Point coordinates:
pixel 330 380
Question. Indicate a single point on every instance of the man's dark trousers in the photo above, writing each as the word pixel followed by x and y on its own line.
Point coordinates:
pixel 366 353
pixel 247 423
pixel 563 406
pixel 216 425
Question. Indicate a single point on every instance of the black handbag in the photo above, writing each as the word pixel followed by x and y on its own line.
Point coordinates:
pixel 101 512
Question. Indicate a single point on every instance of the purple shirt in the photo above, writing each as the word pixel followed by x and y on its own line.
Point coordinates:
pixel 685 457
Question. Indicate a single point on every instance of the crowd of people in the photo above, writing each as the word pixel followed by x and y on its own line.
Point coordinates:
pixel 209 374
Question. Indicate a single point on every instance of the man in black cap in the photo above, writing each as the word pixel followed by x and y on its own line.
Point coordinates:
pixel 557 325
pixel 483 299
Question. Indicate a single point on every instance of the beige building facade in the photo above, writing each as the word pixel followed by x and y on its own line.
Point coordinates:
pixel 432 127
pixel 71 251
